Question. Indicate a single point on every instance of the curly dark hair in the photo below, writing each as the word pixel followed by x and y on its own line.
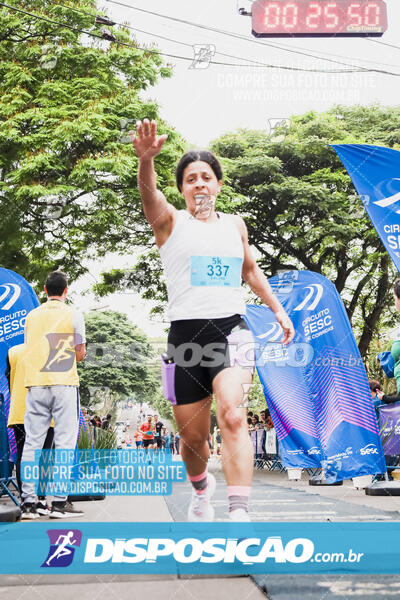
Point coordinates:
pixel 193 156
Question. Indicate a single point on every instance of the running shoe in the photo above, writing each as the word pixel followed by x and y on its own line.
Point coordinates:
pixel 200 508
pixel 64 510
pixel 239 516
pixel 42 508
pixel 28 511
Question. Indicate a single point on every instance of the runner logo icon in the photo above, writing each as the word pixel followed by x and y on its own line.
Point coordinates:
pixel 9 296
pixel 313 297
pixel 62 353
pixel 63 543
pixel 274 333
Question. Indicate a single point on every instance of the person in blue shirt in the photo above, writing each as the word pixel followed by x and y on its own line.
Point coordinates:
pixel 375 387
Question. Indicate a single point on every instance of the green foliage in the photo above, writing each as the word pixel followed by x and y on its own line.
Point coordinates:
pixel 119 359
pixel 256 399
pixel 163 407
pixel 302 210
pixel 102 439
pixel 85 440
pixel 373 367
pixel 68 188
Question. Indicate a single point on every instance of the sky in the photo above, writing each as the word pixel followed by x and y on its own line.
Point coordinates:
pixel 204 103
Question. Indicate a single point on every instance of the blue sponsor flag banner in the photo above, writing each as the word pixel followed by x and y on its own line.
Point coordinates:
pixel 316 388
pixel 17 299
pixel 389 421
pixel 375 173
pixel 199 548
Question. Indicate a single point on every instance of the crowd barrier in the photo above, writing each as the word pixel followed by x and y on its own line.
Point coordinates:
pixel 265 450
pixel 389 424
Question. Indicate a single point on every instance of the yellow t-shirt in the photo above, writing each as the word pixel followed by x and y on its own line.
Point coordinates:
pixel 51 339
pixel 18 391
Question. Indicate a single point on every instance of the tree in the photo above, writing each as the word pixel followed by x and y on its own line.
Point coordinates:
pixel 68 188
pixel 302 211
pixel 163 407
pixel 119 360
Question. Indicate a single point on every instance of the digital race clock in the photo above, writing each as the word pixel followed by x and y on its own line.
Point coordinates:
pixel 318 17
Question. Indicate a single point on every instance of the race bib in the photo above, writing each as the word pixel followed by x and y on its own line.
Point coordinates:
pixel 216 271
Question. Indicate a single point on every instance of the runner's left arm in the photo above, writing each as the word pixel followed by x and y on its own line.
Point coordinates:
pixel 259 284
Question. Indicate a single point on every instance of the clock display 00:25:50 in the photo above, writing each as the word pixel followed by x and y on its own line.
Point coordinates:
pixel 319 17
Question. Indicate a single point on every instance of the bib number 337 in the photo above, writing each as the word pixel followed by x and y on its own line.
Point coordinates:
pixel 215 271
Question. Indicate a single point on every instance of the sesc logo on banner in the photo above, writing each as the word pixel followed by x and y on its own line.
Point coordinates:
pixel 318 323
pixel 311 301
pixel 273 334
pixel 392 201
pixel 11 293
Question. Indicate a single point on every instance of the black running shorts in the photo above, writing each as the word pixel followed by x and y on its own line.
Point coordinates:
pixel 198 349
pixel 148 442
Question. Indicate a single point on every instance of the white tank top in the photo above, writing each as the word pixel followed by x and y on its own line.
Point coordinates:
pixel 202 265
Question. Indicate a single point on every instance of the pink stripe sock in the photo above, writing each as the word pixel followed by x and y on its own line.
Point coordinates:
pixel 199 482
pixel 238 497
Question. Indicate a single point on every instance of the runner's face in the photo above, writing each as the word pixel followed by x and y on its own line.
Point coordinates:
pixel 199 178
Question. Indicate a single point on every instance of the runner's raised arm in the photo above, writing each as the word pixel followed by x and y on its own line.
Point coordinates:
pixel 159 213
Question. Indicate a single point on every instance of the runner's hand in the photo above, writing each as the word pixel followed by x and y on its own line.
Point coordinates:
pixel 146 142
pixel 287 326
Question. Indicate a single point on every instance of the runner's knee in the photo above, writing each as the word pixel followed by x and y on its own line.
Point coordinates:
pixel 193 439
pixel 231 419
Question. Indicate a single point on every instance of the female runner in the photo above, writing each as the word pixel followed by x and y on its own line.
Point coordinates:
pixel 205 255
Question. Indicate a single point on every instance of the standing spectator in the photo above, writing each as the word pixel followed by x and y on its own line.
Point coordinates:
pixel 395 350
pixel 55 341
pixel 172 442
pixel 168 442
pixel 269 423
pixel 375 387
pixel 254 422
pixel 177 442
pixel 218 439
pixel 106 424
pixel 164 438
pixel 16 418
